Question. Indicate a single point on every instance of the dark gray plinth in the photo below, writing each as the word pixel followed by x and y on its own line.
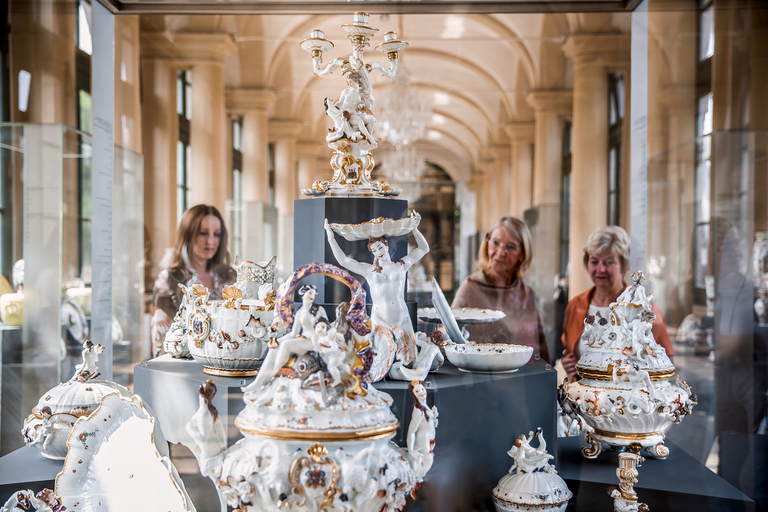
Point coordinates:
pixel 25 469
pixel 310 244
pixel 11 414
pixel 678 483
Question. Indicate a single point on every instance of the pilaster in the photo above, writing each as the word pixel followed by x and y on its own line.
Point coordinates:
pixel 521 185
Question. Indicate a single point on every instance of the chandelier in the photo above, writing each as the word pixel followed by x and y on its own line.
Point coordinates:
pixel 403 120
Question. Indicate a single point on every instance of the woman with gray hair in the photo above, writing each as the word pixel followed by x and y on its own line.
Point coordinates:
pixel 606 258
pixel 504 258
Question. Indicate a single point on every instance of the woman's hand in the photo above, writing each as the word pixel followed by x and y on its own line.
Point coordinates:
pixel 569 364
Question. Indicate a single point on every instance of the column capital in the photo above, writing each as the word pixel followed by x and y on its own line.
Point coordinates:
pixel 612 50
pixel 281 129
pixel 551 101
pixel 520 132
pixel 245 99
pixel 310 149
pixel 188 48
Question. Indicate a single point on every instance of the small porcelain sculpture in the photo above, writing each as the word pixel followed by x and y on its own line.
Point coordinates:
pixel 57 411
pixel 229 336
pixel 625 497
pixel 316 433
pixel 351 137
pixel 532 482
pixel 628 392
pixel 393 338
pixel 25 501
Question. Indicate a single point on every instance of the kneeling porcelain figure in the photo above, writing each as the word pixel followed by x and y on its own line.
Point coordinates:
pixel 317 435
pixel 629 392
pixel 532 482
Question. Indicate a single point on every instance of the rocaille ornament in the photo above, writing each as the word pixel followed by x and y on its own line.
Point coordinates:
pixel 317 434
pixel 229 336
pixel 629 391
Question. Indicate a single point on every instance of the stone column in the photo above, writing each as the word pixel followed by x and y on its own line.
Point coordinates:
pixel 284 133
pixel 487 195
pixel 210 177
pixel 593 55
pixel 252 105
pixel 521 183
pixel 502 177
pixel 128 118
pixel 160 132
pixel 550 108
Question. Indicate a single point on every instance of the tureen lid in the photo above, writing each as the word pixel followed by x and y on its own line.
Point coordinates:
pixel 78 398
pixel 625 338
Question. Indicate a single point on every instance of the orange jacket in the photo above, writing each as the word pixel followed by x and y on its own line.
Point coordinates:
pixel 576 312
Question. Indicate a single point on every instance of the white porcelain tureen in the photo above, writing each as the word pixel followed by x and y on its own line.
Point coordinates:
pixel 629 391
pixel 317 435
pixel 532 482
pixel 229 336
pixel 53 418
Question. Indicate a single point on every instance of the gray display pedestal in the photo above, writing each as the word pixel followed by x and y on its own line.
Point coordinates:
pixel 310 244
pixel 25 469
pixel 678 483
pixel 480 416
pixel 10 389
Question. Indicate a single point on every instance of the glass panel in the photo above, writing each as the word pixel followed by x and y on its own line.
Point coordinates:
pixel 84 41
pixel 707 33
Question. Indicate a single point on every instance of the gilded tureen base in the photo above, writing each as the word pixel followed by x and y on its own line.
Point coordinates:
pixel 652 443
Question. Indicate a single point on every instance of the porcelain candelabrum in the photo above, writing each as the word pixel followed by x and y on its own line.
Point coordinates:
pixel 406 355
pixel 629 392
pixel 317 435
pixel 351 137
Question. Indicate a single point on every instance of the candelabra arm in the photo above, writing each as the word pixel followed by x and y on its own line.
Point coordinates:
pixel 327 70
pixel 387 73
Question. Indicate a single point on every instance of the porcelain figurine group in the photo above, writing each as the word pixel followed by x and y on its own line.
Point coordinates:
pixel 316 432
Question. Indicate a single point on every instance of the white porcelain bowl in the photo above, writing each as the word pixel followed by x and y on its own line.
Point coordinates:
pixel 488 357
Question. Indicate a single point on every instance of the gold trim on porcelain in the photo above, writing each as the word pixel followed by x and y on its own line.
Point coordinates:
pixel 607 374
pixel 218 372
pixel 321 437
pixel 630 437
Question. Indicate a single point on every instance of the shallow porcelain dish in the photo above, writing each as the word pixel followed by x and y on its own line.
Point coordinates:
pixel 488 357
pixel 113 464
pixel 467 316
pixel 377 227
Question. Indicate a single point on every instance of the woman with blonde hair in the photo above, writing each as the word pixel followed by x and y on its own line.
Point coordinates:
pixel 504 258
pixel 606 258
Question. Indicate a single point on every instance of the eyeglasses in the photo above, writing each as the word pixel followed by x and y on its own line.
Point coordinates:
pixel 498 245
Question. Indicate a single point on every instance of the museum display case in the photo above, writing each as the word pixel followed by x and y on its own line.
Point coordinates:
pixel 646 115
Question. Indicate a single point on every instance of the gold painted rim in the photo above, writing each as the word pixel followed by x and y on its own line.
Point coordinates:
pixel 532 505
pixel 218 372
pixel 37 414
pixel 607 375
pixel 630 437
pixel 292 435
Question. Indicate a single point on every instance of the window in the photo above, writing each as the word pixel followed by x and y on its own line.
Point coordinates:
pixel 84 124
pixel 183 149
pixel 704 127
pixel 6 229
pixel 271 164
pixel 565 199
pixel 237 187
pixel 615 121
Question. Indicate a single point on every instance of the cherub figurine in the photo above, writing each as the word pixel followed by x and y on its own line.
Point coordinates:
pixel 332 347
pixel 44 433
pixel 528 459
pixel 88 370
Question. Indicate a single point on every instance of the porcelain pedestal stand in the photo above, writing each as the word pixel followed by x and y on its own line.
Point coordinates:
pixel 653 443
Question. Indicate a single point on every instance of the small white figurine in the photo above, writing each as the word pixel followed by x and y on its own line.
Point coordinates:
pixel 429 357
pixel 296 341
pixel 44 434
pixel 88 370
pixel 421 430
pixel 207 430
pixel 331 347
pixel 44 501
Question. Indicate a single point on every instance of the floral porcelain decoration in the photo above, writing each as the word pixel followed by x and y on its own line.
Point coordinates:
pixel 316 432
pixel 628 391
pixel 532 482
